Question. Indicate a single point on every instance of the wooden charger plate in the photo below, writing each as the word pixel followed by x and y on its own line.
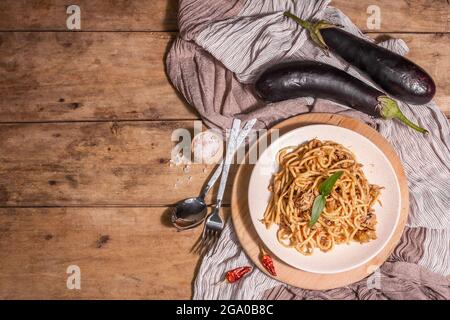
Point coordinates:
pixel 250 241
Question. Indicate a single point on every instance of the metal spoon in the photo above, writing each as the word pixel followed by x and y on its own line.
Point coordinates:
pixel 191 212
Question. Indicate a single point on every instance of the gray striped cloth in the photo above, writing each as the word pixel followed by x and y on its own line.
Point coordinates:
pixel 222 48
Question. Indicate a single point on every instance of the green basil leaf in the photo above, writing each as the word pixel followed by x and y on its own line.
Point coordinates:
pixel 326 186
pixel 317 208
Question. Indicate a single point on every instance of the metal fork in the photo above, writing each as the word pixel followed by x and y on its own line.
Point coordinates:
pixel 214 223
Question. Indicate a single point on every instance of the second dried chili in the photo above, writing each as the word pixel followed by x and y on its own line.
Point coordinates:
pixel 267 262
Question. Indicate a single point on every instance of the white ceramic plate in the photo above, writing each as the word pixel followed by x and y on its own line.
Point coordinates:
pixel 377 169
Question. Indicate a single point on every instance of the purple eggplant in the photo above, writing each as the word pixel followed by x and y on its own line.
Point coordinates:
pixel 314 79
pixel 396 75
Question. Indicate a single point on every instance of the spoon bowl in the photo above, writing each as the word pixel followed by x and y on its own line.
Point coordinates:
pixel 188 213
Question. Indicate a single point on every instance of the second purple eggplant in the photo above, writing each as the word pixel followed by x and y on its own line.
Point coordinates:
pixel 319 80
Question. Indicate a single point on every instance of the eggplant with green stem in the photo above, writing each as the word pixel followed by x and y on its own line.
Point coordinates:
pixel 319 80
pixel 396 75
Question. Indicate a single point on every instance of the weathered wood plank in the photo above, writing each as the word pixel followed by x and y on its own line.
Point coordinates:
pixel 160 15
pixel 101 76
pixel 122 253
pixel 86 76
pixel 400 15
pixel 112 15
pixel 126 163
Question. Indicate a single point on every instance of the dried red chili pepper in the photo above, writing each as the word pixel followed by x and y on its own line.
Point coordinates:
pixel 267 262
pixel 236 274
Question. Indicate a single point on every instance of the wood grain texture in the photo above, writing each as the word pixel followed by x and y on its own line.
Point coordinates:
pixel 110 15
pixel 400 15
pixel 250 241
pixel 55 76
pixel 160 15
pixel 127 163
pixel 122 253
pixel 86 76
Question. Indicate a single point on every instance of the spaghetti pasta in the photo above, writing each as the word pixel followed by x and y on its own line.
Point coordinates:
pixel 348 214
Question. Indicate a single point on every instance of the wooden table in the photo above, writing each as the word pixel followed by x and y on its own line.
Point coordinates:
pixel 85 139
